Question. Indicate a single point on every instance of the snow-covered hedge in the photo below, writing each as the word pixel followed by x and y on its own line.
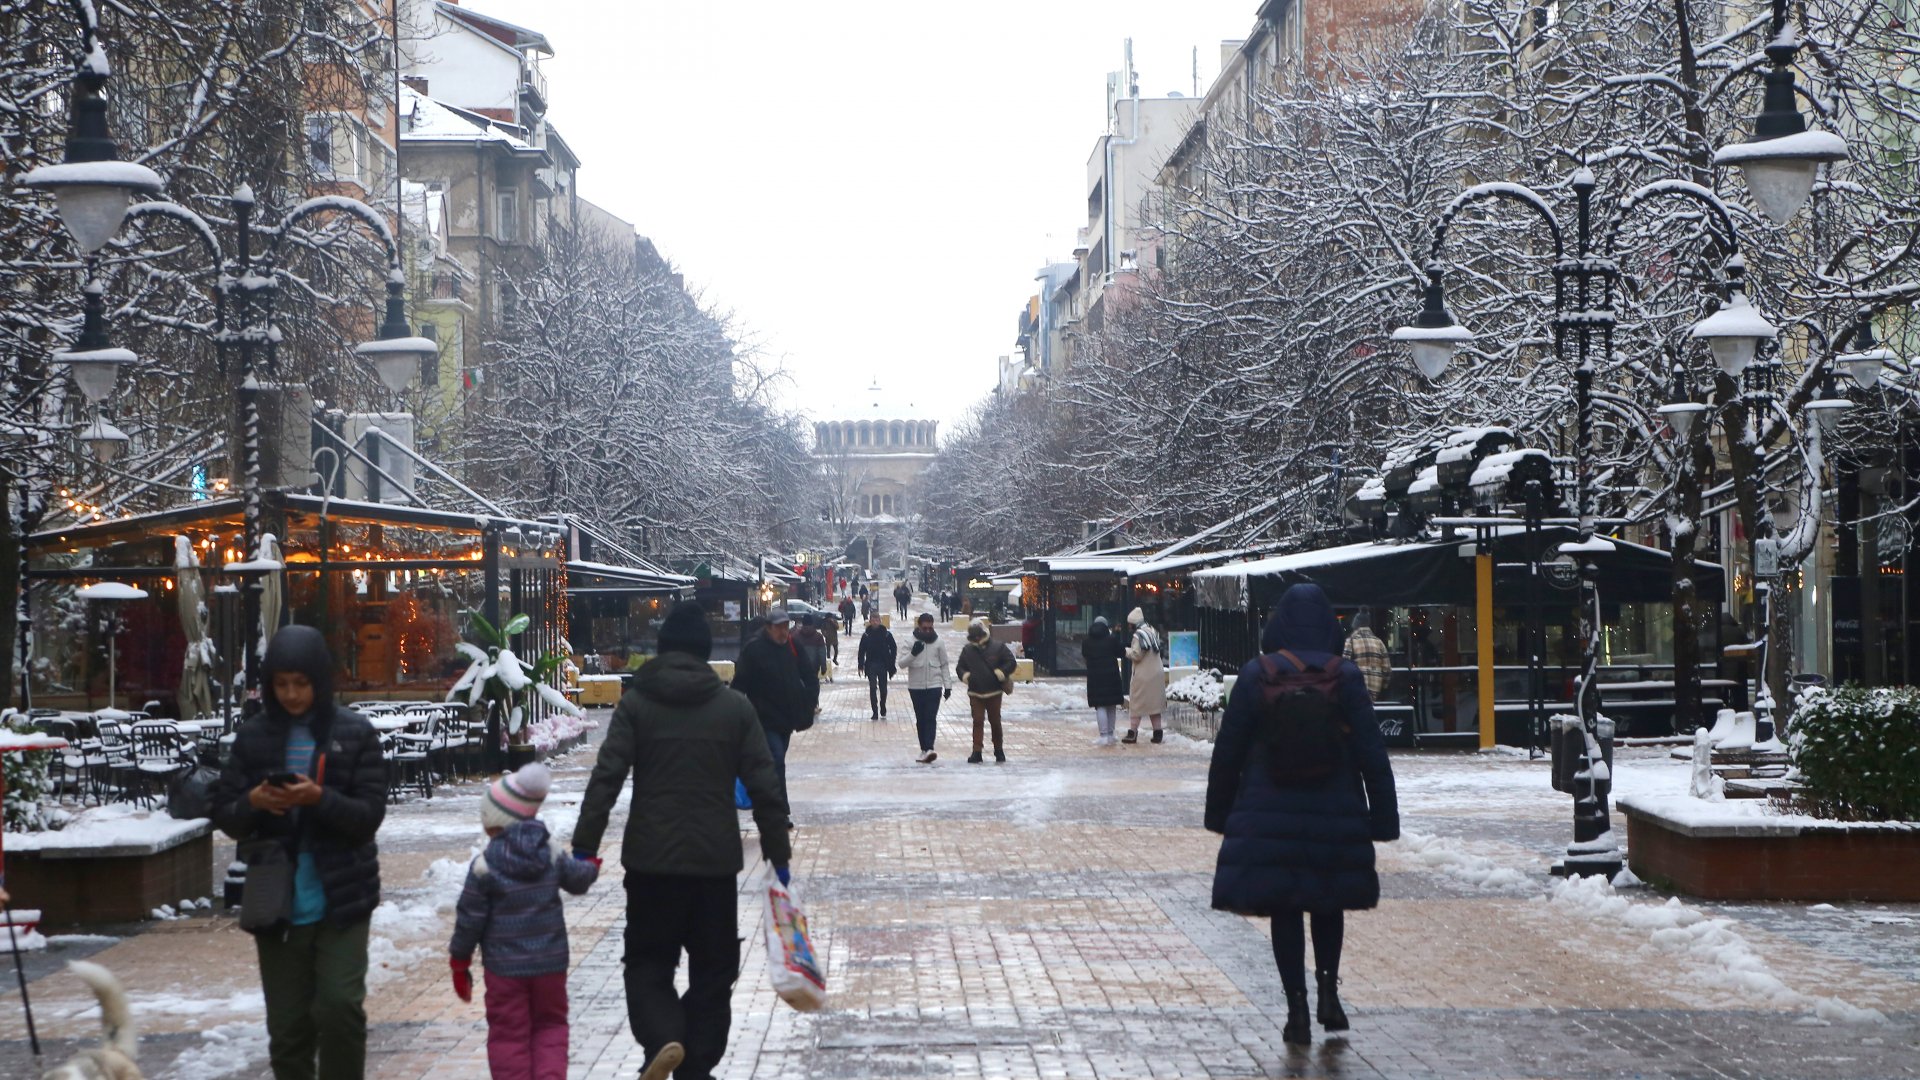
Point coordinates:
pixel 1202 690
pixel 1857 751
pixel 29 786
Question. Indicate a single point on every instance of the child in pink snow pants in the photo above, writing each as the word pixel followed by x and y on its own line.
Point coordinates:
pixel 510 908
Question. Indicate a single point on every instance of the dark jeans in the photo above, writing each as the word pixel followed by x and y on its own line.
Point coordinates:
pixel 665 916
pixel 777 745
pixel 1290 946
pixel 926 714
pixel 877 693
pixel 849 621
pixel 315 983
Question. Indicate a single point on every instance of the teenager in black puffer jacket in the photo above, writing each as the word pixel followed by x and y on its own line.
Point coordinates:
pixel 313 965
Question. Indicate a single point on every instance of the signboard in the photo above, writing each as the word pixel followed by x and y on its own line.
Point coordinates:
pixel 1766 558
pixel 1183 648
pixel 1561 573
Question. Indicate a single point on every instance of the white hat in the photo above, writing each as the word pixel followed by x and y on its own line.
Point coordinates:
pixel 1137 617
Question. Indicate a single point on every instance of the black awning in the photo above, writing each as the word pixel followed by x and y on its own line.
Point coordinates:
pixel 1436 573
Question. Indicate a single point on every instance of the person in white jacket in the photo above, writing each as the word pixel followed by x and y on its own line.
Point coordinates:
pixel 1148 694
pixel 929 680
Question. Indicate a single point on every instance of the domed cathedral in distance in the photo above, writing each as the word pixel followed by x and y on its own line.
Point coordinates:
pixel 872 452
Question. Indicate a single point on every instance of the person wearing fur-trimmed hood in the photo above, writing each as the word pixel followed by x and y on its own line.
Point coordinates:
pixel 510 908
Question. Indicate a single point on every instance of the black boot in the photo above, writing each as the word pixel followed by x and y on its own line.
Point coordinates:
pixel 1332 1016
pixel 974 758
pixel 1159 735
pixel 1298 1032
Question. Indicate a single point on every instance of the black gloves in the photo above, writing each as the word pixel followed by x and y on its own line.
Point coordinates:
pixel 917 646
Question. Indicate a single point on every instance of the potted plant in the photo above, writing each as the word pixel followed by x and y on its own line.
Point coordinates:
pixel 498 682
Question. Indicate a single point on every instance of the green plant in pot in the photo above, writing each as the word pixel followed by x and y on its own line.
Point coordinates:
pixel 503 684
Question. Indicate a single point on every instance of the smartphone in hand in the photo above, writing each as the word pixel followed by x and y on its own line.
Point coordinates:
pixel 283 779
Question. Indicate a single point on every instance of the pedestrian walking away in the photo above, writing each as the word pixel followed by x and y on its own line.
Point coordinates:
pixel 902 599
pixel 1301 789
pixel 510 909
pixel 684 737
pixel 1147 696
pixel 986 667
pixel 812 643
pixel 929 681
pixel 847 612
pixel 946 605
pixel 769 674
pixel 877 656
pixel 830 629
pixel 1369 654
pixel 304 791
pixel 1102 651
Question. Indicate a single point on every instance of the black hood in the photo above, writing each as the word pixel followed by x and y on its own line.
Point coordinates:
pixel 1099 630
pixel 878 631
pixel 1303 622
pixel 302 649
pixel 677 678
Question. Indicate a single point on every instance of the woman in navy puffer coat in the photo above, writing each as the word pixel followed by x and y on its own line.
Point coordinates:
pixel 1309 850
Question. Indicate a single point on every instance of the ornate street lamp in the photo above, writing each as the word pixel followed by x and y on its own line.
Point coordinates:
pixel 94 362
pixel 1868 358
pixel 91 187
pixel 1780 160
pixel 398 354
pixel 1735 331
pixel 103 440
pixel 1585 281
pixel 1434 335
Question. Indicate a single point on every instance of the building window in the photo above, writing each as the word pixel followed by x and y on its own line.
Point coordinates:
pixel 430 365
pixel 320 145
pixel 506 220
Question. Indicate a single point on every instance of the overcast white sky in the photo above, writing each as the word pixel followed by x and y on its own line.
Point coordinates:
pixel 868 185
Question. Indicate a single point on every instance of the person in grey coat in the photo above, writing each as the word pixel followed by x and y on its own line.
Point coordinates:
pixel 1291 852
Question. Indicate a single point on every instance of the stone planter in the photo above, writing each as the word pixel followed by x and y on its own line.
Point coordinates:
pixel 87 876
pixel 1740 851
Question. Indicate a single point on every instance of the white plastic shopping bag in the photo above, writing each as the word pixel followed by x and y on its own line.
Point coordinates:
pixel 795 968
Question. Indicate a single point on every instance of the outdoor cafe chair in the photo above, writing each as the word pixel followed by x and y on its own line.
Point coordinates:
pixel 119 769
pixel 407 768
pixel 160 753
pixel 413 751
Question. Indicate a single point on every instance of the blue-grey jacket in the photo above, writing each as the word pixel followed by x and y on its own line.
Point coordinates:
pixel 1299 849
pixel 510 906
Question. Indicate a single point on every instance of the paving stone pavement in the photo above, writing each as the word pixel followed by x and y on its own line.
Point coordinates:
pixel 1050 918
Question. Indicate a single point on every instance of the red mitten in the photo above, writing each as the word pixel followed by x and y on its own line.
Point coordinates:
pixel 462 977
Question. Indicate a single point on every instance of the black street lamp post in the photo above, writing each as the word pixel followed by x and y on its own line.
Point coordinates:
pixel 94 192
pixel 1584 278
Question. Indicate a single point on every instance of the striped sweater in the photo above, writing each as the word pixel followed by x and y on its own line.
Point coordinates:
pixel 510 905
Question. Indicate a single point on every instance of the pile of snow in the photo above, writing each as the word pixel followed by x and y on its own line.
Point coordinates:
pixel 1450 857
pixel 223 1051
pixel 555 728
pixel 1689 934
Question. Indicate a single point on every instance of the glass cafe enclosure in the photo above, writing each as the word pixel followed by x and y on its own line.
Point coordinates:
pixel 1421 598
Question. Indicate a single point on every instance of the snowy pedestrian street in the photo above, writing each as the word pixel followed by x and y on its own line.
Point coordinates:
pixel 1050 918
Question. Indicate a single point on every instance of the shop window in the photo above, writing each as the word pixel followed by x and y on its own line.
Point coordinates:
pixel 430 365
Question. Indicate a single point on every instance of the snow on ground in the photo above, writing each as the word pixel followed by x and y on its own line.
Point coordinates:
pixel 1712 953
pixel 224 1050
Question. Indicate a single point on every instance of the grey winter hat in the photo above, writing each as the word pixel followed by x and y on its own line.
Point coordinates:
pixel 779 616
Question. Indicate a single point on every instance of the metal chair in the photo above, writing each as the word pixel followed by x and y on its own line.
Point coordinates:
pixel 160 753
pixel 410 764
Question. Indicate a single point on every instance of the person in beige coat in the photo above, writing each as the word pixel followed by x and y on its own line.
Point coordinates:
pixel 1148 695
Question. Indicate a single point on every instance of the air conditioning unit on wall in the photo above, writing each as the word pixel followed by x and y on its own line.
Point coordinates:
pixel 364 484
pixel 285 435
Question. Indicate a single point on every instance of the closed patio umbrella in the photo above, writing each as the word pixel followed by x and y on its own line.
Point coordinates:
pixel 196 688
